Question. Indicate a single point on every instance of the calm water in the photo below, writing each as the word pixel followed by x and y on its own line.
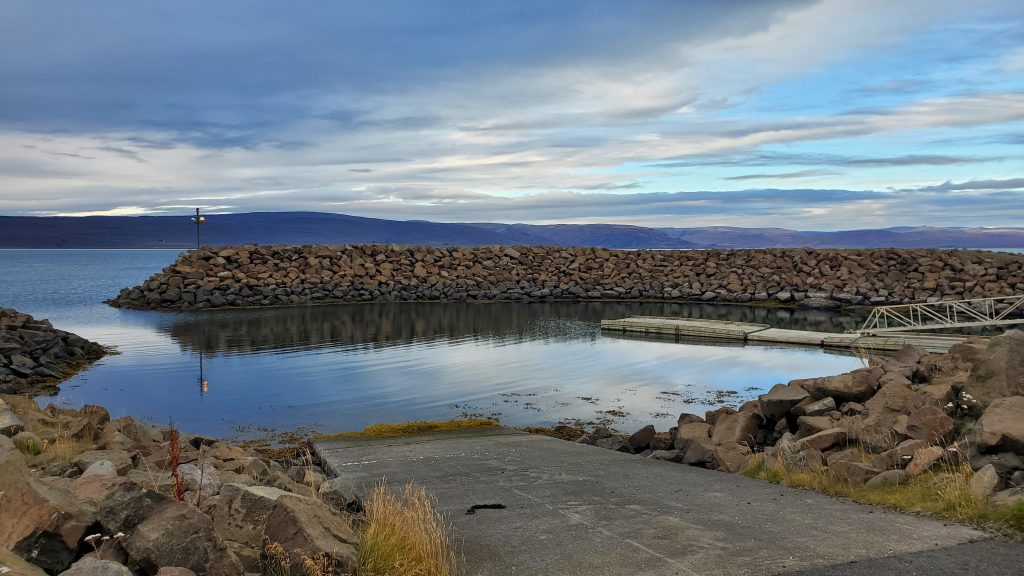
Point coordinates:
pixel 346 366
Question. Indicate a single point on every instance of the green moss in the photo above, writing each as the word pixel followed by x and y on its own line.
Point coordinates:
pixel 413 428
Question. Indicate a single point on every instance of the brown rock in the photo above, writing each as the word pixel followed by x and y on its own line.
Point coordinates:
pixel 43 523
pixel 737 428
pixel 691 431
pixel 778 401
pixel 857 386
pixel 985 482
pixel 999 372
pixel 854 472
pixel 121 460
pixel 1001 427
pixel 17 565
pixel 930 424
pixel 924 458
pixel 303 526
pixel 641 439
pixel 888 478
pixel 712 416
pixel 195 545
pixel 732 458
pixel 823 440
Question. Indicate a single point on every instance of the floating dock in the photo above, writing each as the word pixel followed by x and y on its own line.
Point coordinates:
pixel 694 328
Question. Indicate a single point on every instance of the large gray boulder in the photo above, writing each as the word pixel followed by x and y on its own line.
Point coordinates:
pixel 1000 370
pixel 691 431
pixel 1001 427
pixel 121 460
pixel 855 386
pixel 736 428
pixel 778 401
pixel 306 527
pixel 43 523
pixel 177 534
pixel 242 511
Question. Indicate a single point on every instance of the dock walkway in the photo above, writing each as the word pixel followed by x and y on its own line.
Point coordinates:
pixel 573 509
pixel 693 328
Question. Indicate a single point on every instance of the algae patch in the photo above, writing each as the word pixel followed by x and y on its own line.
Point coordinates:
pixel 413 428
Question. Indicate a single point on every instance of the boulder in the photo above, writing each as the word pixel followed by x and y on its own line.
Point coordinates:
pixel 43 523
pixel 822 440
pixel 815 407
pixel 856 386
pixel 667 455
pixel 930 424
pixel 731 457
pixel 999 372
pixel 691 431
pixel 1001 427
pixel 924 458
pixel 305 527
pixel 898 457
pixel 176 534
pixel 685 418
pixel 1005 463
pixel 121 460
pixel 699 452
pixel 712 416
pixel 662 441
pixel 736 428
pixel 241 512
pixel 202 480
pixel 175 571
pixel 10 424
pixel 808 425
pixel 985 482
pixel 641 439
pixel 100 468
pixel 778 401
pixel 888 478
pixel 853 472
pixel 92 566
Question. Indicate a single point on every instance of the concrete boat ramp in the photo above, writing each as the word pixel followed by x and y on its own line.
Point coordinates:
pixel 573 510
pixel 742 332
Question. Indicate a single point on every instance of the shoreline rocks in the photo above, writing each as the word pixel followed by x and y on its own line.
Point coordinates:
pixel 916 414
pixel 102 499
pixel 35 357
pixel 253 275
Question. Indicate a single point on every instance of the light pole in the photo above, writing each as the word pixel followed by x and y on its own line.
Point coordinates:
pixel 198 220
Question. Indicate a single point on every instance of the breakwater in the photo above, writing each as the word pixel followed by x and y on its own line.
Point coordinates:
pixel 35 356
pixel 253 275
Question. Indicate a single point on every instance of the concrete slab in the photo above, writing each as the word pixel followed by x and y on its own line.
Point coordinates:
pixel 575 509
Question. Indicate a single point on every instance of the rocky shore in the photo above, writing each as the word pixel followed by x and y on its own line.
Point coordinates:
pixel 253 275
pixel 81 494
pixel 900 417
pixel 35 356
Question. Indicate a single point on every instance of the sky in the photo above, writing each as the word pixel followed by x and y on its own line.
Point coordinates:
pixel 823 115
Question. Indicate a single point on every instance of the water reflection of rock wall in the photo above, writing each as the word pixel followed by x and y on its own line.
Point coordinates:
pixel 397 323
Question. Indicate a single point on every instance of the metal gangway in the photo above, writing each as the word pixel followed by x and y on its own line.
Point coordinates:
pixel 997 311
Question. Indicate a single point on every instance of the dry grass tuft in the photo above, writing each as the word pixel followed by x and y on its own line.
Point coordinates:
pixel 403 535
pixel 412 428
pixel 944 493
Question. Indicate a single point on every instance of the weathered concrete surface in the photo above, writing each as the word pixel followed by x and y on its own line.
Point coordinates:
pixel 575 509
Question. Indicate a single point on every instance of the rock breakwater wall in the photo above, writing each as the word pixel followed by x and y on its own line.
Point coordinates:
pixel 253 275
pixel 35 356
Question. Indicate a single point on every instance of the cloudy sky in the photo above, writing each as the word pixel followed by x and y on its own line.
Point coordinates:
pixel 828 114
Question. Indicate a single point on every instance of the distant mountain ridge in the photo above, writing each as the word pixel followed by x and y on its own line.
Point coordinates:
pixel 328 228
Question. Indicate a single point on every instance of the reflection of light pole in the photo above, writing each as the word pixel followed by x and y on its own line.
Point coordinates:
pixel 198 220
pixel 204 384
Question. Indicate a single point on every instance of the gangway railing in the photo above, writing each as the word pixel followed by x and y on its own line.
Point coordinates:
pixel 997 311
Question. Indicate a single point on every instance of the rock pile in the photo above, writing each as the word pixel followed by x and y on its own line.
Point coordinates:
pixel 83 494
pixel 35 357
pixel 878 425
pixel 253 275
